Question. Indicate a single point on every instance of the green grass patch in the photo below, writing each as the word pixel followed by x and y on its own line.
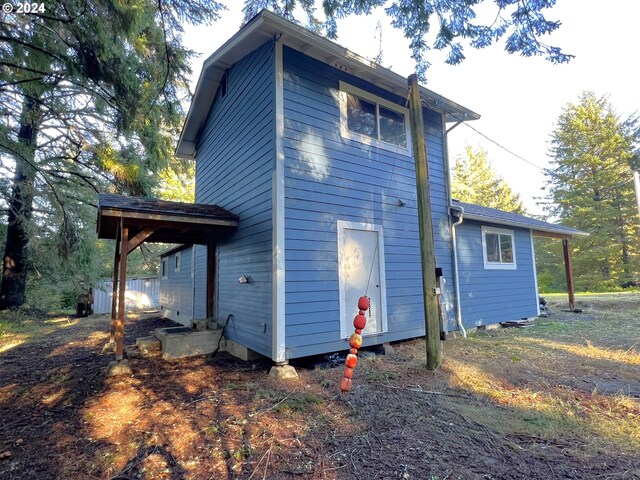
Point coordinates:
pixel 298 403
pixel 381 376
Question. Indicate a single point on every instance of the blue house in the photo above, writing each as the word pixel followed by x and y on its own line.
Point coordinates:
pixel 309 146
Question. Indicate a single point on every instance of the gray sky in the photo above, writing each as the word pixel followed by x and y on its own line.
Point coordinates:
pixel 519 98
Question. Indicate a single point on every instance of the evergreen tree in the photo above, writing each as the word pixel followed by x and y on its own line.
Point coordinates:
pixel 475 181
pixel 522 24
pixel 591 188
pixel 91 94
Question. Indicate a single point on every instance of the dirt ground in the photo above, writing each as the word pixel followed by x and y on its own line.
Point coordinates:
pixel 557 400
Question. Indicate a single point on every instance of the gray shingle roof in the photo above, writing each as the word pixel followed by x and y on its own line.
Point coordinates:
pixel 500 217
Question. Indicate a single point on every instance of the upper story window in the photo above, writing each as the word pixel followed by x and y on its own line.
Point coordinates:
pixel 498 248
pixel 373 120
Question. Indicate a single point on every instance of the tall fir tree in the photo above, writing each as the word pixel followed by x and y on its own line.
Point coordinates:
pixel 590 186
pixel 91 92
pixel 475 181
pixel 522 25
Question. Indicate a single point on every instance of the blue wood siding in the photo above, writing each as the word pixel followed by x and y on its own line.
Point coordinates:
pixel 176 291
pixel 491 296
pixel 330 178
pixel 234 163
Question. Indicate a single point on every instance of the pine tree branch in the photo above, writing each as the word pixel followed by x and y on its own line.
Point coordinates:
pixel 20 82
pixel 31 46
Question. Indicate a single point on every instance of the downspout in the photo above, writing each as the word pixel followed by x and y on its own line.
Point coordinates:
pixel 456 276
pixel 460 210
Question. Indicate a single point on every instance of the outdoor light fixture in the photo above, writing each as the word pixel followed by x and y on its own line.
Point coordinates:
pixel 243 279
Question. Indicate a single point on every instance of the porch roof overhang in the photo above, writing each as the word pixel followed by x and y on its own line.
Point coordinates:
pixel 267 25
pixel 163 221
pixel 538 228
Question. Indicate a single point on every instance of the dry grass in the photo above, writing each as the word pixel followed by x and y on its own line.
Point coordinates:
pixel 561 399
pixel 18 327
pixel 571 376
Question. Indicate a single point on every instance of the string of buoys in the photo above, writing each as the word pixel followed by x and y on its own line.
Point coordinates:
pixel 355 341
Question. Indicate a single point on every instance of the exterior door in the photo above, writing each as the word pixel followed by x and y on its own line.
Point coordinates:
pixel 361 272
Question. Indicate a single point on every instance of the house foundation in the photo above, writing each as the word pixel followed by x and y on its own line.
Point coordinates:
pixel 283 371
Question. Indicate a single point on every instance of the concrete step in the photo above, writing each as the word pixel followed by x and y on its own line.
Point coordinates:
pixel 181 342
pixel 148 344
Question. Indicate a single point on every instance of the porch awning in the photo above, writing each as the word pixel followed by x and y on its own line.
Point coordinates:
pixel 164 221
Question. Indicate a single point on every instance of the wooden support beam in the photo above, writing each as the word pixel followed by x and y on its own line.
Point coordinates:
pixel 211 279
pixel 569 273
pixel 425 224
pixel 124 248
pixel 540 233
pixel 114 296
pixel 139 238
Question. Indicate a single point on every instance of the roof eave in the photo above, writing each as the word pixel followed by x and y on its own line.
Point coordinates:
pixel 267 25
pixel 213 69
pixel 542 228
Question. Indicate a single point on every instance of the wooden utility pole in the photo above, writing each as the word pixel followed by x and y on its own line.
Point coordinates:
pixel 425 225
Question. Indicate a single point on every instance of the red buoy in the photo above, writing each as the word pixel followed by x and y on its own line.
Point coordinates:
pixel 351 361
pixel 359 321
pixel 345 384
pixel 355 342
pixel 363 303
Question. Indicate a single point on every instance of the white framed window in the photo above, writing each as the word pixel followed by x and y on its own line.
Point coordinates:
pixel 369 119
pixel 498 248
pixel 164 267
pixel 177 262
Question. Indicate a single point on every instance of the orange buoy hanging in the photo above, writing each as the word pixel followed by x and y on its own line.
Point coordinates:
pixel 355 341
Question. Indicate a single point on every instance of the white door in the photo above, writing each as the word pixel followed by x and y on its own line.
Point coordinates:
pixel 360 249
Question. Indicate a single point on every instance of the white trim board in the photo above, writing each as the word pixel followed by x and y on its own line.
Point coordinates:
pixel 278 338
pixel 535 272
pixel 498 265
pixel 346 88
pixel 346 311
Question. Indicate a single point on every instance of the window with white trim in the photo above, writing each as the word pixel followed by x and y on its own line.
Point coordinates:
pixel 373 120
pixel 498 248
pixel 178 262
pixel 164 267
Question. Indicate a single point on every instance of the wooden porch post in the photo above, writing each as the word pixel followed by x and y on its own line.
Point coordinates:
pixel 114 296
pixel 124 235
pixel 211 284
pixel 569 273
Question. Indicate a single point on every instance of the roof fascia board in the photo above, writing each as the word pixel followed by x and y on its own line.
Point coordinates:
pixel 231 51
pixel 177 248
pixel 268 25
pixel 187 219
pixel 339 56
